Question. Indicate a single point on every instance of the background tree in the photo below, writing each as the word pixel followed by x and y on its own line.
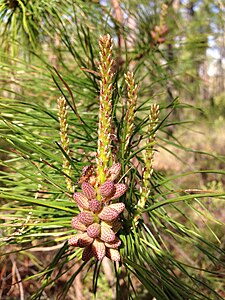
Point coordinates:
pixel 172 237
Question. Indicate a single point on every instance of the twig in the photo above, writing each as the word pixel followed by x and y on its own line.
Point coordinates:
pixel 19 282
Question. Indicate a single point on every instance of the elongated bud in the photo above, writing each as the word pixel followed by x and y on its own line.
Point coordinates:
pixel 80 240
pixel 108 214
pixel 87 253
pixel 132 90
pixel 119 207
pixel 73 241
pixel 95 205
pixel 76 224
pixel 105 108
pixel 94 230
pixel 86 218
pixel 81 200
pixel 114 244
pixel 88 190
pixel 113 254
pixel 113 172
pixel 98 248
pixel 148 161
pixel 107 235
pixel 84 240
pixel 107 189
pixel 120 190
pixel 62 111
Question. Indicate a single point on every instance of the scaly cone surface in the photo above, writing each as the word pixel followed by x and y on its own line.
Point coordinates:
pixel 98 221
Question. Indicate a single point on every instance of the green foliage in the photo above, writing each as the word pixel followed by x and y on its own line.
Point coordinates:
pixel 176 250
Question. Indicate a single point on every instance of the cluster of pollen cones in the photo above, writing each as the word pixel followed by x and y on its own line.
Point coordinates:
pixel 98 221
pixel 158 34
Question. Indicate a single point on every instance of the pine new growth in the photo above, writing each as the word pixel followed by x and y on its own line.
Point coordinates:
pixel 105 108
pixel 97 223
pixel 164 12
pixel 131 106
pixel 148 159
pixel 159 31
pixel 62 112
